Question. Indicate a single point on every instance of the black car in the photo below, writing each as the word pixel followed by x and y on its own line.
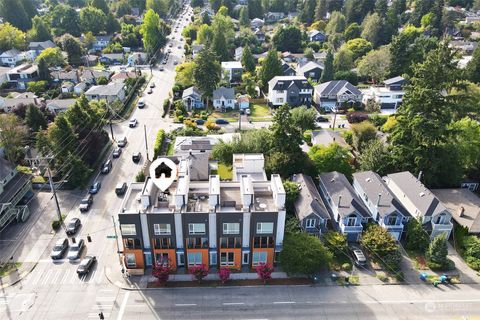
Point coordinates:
pixel 73 225
pixel 107 166
pixel 86 203
pixel 136 157
pixel 121 188
pixel 86 265
pixel 322 119
pixel 59 249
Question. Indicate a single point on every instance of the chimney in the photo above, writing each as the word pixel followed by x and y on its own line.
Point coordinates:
pixel 378 200
pixel 339 200
pixel 420 174
pixel 462 211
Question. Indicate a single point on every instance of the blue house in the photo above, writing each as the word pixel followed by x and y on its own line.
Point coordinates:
pixel 315 35
pixel 385 208
pixel 192 99
pixel 346 209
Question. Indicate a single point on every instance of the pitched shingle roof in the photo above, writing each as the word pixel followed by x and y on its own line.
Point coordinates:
pixel 191 91
pixel 309 200
pixel 284 82
pixel 394 80
pixel 337 87
pixel 226 93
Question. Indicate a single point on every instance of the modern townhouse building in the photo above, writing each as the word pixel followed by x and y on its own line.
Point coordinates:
pixel 389 96
pixel 211 222
pixel 21 75
pixel 421 203
pixel 346 209
pixel 294 90
pixel 385 208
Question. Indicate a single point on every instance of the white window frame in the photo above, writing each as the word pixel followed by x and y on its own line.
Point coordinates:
pixel 194 262
pixel 213 258
pixel 231 228
pixel 350 218
pixel 261 227
pixel 310 223
pixel 257 257
pixel 227 263
pixel 130 257
pixel 126 229
pixel 193 226
pixel 158 230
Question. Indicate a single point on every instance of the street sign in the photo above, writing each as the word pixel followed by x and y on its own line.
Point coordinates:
pixel 111 237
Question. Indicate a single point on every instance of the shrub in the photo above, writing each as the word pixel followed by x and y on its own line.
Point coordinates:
pixel 335 242
pixel 389 124
pixel 382 247
pixel 348 136
pixel 417 238
pixel 180 118
pixel 162 270
pixel 157 147
pixel 56 224
pixel 140 177
pixel 198 272
pixel 356 117
pixel 378 120
pixel 307 136
pixel 264 272
pixel 224 274
pixel 166 106
pixel 437 254
pixel 346 266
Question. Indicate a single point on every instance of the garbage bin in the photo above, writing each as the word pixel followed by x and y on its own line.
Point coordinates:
pixel 423 276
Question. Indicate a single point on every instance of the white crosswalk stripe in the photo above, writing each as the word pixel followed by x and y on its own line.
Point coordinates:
pixel 95 315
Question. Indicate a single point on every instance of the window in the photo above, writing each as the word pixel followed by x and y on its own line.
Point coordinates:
pixel 213 258
pixel 246 257
pixel 279 100
pixel 197 243
pixel 265 227
pixel 259 257
pixel 162 228
pixel 351 221
pixel 227 258
pixel 130 259
pixel 181 258
pixel 132 243
pixel 310 223
pixel 392 220
pixel 163 243
pixel 230 242
pixel 441 219
pixel 196 228
pixel 162 258
pixel 231 228
pixel 128 230
pixel 263 242
pixel 194 258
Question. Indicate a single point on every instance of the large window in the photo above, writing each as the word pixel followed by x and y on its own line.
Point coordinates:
pixel 162 258
pixel 128 230
pixel 265 227
pixel 230 242
pixel 231 228
pixel 132 243
pixel 196 228
pixel 194 258
pixel 392 220
pixel 263 242
pixel 227 258
pixel 259 257
pixel 197 243
pixel 310 223
pixel 163 243
pixel 162 229
pixel 130 260
pixel 351 220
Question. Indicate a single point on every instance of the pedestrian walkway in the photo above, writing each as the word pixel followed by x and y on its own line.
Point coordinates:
pixel 467 275
pixel 69 276
pixel 104 302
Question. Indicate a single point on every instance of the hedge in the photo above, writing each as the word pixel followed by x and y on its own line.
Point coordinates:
pixel 157 148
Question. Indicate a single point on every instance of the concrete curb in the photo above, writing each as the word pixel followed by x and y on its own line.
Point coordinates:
pixel 20 277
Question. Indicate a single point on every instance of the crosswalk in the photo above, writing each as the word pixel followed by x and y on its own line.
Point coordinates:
pixel 53 276
pixel 103 303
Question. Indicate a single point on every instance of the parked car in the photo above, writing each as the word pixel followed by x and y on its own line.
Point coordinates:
pixel 161 69
pixel 152 85
pixel 358 257
pixel 322 119
pixel 175 62
pixel 73 225
pixel 133 123
pixel 179 47
pixel 95 187
pixel 171 44
pixel 117 152
pixel 86 203
pixel 150 91
pixel 121 188
pixel 136 157
pixel 199 122
pixel 76 250
pixel 59 249
pixel 221 121
pixel 141 103
pixel 86 265
pixel 122 142
pixel 247 111
pixel 106 167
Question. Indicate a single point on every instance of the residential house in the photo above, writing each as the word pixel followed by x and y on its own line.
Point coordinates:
pixel 14 186
pixel 257 23
pixel 192 99
pixel 232 71
pixel 327 137
pixel 57 106
pixel 196 48
pixel 90 60
pixel 465 47
pixel 346 209
pixel 64 75
pixel 90 76
pixel 110 92
pixel 316 36
pixel 207 222
pixel 385 208
pixel 309 207
pixel 238 53
pixel 472 19
pixel 470 184
pixel 421 203
pixel 464 205
pixel 224 98
pixel 294 90
pixel 251 164
pixel 294 57
pixel 80 88
pixel 124 75
pixel 260 35
pixel 287 70
pixel 111 58
pixel 204 144
pixel 67 87
pixel 310 70
pixel 21 75
pixel 333 94
pixel 7 105
pixel 37 47
pixel 243 102
pixel 320 56
pixel 3 74
pixel 274 16
pixel 389 97
pixel 137 58
pixel 101 42
pixel 11 57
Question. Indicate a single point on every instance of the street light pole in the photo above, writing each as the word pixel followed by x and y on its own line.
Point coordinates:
pixel 116 239
pixel 54 193
pixel 146 145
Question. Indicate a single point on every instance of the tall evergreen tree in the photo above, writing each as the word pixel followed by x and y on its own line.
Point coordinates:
pixel 43 72
pixel 207 73
pixel 307 14
pixel 219 46
pixel 100 4
pixel 327 74
pixel 271 67
pixel 381 7
pixel 40 30
pixel 35 119
pixel 248 61
pixel 29 8
pixel 13 11
pixel 255 9
pixel 321 10
pixel 244 19
pixel 473 67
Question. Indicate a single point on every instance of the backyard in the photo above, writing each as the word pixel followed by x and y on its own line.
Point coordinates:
pixel 260 112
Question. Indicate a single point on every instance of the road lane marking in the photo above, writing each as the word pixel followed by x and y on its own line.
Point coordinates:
pixel 95 315
pixel 185 304
pixel 47 276
pixel 102 306
pixel 122 307
pixel 100 299
pixel 284 302
pixel 55 277
pixel 232 303
pixel 65 276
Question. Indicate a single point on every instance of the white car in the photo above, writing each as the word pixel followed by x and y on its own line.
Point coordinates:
pixel 132 123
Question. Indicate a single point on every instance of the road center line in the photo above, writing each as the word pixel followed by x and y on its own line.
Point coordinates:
pixel 284 302
pixel 185 304
pixel 232 303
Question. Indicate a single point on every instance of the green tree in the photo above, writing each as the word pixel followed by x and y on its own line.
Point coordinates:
pixel 271 67
pixel 248 61
pixel 382 246
pixel 375 157
pixel 473 67
pixel 343 60
pixel 304 118
pixel 123 8
pixel 64 19
pixel 35 119
pixel 111 24
pixel 11 37
pixel 331 158
pixel 207 73
pixel 336 243
pixel 29 7
pixel 467 140
pixel 184 74
pixel 336 24
pixel 363 133
pixel 219 47
pixel 151 32
pixel 437 254
pixel 321 9
pixel 286 135
pixel 43 72
pixel 372 27
pixel 159 6
pixel 244 19
pixel 37 87
pixel 359 47
pixel 327 74
pixel 40 30
pixel 417 238
pixel 353 31
pixel 73 48
pixel 249 82
pixel 13 137
pixel 52 57
pixel 100 4
pixel 93 20
pixel 292 191
pixel 205 34
pixel 375 65
pixel 14 13
pixel 304 254
pixel 255 9
pixel 307 14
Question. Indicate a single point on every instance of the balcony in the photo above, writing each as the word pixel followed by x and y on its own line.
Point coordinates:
pixel 351 229
pixel 446 226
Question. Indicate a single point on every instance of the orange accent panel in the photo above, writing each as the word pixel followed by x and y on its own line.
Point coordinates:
pixel 270 254
pixel 237 258
pixel 138 257
pixel 204 255
pixel 171 255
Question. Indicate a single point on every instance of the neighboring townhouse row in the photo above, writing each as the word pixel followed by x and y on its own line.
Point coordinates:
pixel 390 201
pixel 202 220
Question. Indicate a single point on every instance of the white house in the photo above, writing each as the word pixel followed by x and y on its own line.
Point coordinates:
pixel 389 96
pixel 294 90
pixel 196 48
pixel 11 57
pixel 224 98
pixel 22 74
pixel 332 94
pixel 137 58
pixel 110 92
pixel 238 53
pixel 232 71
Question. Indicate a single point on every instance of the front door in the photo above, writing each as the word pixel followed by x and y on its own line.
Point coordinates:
pixel 148 258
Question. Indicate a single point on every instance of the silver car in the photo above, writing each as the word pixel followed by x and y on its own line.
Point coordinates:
pixel 75 250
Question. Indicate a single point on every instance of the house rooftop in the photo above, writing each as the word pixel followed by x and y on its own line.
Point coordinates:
pixel 326 137
pixel 231 65
pixel 305 67
pixel 226 93
pixel 191 91
pixel 336 87
pixel 394 80
pixel 24 68
pixel 309 200
pixel 111 89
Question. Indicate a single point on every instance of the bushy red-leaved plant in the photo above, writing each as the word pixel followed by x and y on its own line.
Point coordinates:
pixel 224 274
pixel 264 271
pixel 162 270
pixel 198 272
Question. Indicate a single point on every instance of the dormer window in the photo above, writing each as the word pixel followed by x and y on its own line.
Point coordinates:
pixel 441 219
pixel 392 220
pixel 351 220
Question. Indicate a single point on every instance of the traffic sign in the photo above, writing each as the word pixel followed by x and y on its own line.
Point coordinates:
pixel 111 237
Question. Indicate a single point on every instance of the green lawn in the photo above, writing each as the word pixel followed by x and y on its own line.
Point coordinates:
pixel 260 111
pixel 230 116
pixel 225 172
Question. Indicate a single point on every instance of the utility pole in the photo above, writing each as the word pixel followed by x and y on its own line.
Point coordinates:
pixel 146 145
pixel 59 213
pixel 111 129
pixel 334 118
pixel 116 239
